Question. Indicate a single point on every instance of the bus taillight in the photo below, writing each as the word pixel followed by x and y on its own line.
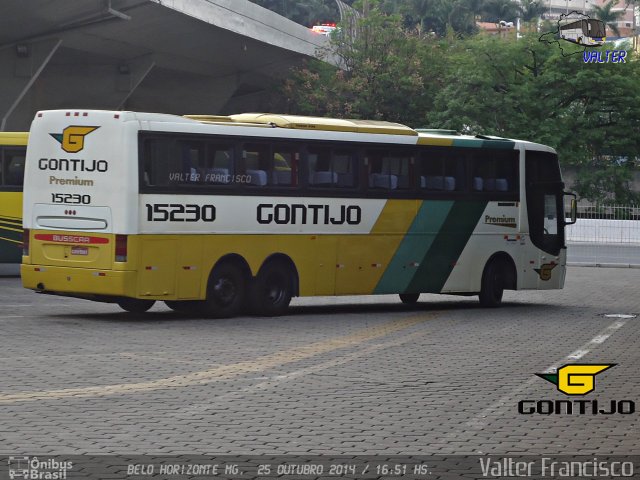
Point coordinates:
pixel 121 248
pixel 25 242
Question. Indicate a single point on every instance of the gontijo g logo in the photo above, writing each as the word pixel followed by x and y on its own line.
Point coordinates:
pixel 72 138
pixel 576 380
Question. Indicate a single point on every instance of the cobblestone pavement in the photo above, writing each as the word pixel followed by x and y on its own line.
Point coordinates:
pixel 356 375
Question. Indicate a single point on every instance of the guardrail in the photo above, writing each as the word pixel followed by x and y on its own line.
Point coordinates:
pixel 605 235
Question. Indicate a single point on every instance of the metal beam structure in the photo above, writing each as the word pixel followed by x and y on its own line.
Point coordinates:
pixel 175 56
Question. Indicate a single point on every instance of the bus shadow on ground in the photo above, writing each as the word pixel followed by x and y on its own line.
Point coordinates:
pixel 302 312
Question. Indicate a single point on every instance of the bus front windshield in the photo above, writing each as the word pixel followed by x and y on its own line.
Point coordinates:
pixel 596 29
pixel 544 201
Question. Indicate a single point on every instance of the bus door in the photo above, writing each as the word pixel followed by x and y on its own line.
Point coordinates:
pixel 545 196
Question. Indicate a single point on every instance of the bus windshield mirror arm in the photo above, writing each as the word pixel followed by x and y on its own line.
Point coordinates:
pixel 573 211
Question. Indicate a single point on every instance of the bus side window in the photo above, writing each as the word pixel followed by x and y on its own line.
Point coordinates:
pixel 155 162
pixel 219 168
pixel 319 168
pixel 284 172
pixel 442 170
pixel 343 165
pixel 495 171
pixel 1 166
pixel 192 161
pixel 257 162
pixel 14 167
pixel 388 170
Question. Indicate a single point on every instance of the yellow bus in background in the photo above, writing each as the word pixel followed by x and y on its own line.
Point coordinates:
pixel 13 147
pixel 221 215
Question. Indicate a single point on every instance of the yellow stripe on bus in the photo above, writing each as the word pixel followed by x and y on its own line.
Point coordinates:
pixel 10 240
pixel 11 205
pixel 19 230
pixel 364 261
pixel 439 142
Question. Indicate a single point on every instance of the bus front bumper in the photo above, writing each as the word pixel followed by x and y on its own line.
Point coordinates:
pixel 78 281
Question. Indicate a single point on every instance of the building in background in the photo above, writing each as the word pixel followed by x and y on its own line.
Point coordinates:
pixel 183 56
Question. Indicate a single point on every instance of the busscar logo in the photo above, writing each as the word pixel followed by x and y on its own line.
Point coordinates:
pixel 577 379
pixel 72 138
pixel 545 271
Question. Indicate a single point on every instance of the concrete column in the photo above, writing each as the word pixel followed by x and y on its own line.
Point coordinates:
pixel 168 91
pixel 131 75
pixel 20 67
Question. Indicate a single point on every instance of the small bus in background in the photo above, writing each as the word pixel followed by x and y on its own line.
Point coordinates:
pixel 13 147
pixel 223 215
pixel 586 32
pixel 324 29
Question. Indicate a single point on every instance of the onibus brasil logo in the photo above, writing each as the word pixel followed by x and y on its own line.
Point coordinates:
pixel 576 379
pixel 72 138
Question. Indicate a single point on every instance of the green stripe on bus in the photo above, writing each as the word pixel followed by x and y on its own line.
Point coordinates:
pixel 436 266
pixel 414 246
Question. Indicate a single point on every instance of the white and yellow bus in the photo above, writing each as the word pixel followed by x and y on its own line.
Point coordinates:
pixel 221 215
pixel 13 147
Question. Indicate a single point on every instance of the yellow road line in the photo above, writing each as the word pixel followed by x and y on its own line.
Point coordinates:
pixel 224 372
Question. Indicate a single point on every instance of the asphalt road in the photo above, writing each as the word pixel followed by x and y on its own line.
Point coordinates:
pixel 353 375
pixel 598 253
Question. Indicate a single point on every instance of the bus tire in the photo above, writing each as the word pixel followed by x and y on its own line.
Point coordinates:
pixel 226 291
pixel 409 298
pixel 135 305
pixel 272 289
pixel 493 284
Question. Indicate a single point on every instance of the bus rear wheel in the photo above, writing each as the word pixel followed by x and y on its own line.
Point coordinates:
pixel 226 292
pixel 272 290
pixel 493 283
pixel 135 305
pixel 409 298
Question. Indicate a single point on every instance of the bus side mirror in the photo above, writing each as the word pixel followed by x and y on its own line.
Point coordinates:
pixel 573 209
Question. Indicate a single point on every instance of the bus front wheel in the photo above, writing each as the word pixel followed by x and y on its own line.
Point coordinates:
pixel 272 289
pixel 226 291
pixel 134 305
pixel 493 283
pixel 409 298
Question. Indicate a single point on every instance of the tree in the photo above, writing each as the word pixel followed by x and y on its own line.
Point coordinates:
pixel 608 16
pixel 496 10
pixel 589 112
pixel 532 9
pixel 305 12
pixel 525 89
pixel 383 75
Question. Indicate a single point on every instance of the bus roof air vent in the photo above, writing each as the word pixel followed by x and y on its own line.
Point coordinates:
pixel 438 131
pixel 209 118
pixel 491 137
pixel 308 123
pixel 327 124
